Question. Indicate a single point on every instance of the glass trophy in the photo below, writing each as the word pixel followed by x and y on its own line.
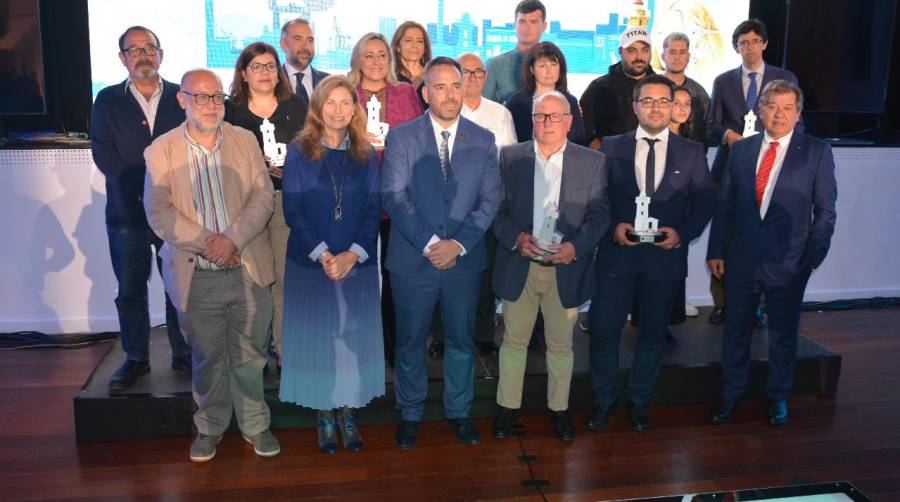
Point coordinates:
pixel 373 124
pixel 645 227
pixel 273 150
pixel 547 234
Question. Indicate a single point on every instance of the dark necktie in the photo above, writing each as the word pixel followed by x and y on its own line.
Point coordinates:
pixel 445 155
pixel 752 91
pixel 301 90
pixel 650 170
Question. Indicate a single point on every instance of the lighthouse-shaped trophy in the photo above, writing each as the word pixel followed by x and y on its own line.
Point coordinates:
pixel 374 125
pixel 749 124
pixel 547 234
pixel 273 150
pixel 645 227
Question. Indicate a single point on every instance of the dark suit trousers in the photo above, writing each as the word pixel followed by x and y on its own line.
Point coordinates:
pixel 783 303
pixel 414 302
pixel 388 323
pixel 610 305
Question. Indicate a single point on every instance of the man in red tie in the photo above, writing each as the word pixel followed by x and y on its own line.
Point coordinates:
pixel 772 227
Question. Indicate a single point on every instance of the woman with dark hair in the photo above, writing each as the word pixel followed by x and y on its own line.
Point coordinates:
pixel 372 73
pixel 681 123
pixel 543 70
pixel 412 51
pixel 332 349
pixel 261 94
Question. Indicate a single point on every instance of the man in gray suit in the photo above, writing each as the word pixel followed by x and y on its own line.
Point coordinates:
pixel 548 187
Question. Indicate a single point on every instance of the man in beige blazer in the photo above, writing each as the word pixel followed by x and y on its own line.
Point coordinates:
pixel 208 195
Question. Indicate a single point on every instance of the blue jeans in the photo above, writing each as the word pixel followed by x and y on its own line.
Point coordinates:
pixel 131 257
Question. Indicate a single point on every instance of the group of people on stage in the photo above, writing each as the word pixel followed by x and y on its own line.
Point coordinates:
pixel 266 203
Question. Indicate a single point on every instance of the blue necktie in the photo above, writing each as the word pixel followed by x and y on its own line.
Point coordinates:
pixel 445 155
pixel 752 91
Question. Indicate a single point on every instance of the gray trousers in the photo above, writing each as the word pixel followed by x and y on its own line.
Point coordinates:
pixel 227 325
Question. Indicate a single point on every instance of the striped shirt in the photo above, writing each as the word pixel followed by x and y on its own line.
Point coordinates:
pixel 148 106
pixel 206 178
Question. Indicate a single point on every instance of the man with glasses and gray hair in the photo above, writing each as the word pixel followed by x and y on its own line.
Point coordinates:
pixel 208 195
pixel 670 174
pixel 125 119
pixel 553 211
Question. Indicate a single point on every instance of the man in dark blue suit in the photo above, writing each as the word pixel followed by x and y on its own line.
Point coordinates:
pixel 441 187
pixel 772 227
pixel 125 119
pixel 298 42
pixel 672 172
pixel 736 92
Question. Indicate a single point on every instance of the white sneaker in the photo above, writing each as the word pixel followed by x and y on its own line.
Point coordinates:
pixel 690 310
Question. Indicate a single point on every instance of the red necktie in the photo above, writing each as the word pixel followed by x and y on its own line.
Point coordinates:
pixel 762 176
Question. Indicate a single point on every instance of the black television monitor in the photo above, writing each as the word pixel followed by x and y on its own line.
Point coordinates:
pixel 22 88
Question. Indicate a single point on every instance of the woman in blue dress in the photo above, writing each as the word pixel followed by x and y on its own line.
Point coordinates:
pixel 332 349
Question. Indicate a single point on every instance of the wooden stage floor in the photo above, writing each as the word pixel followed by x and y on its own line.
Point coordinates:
pixel 854 437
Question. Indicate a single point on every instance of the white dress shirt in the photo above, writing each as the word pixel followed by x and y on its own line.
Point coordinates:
pixel 780 153
pixel 495 118
pixel 438 129
pixel 149 106
pixel 306 79
pixel 547 183
pixel 642 149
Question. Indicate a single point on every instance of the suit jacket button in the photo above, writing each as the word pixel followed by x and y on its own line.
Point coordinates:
pixel 190 260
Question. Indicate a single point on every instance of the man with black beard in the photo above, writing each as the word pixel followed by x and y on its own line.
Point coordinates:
pixel 299 45
pixel 607 103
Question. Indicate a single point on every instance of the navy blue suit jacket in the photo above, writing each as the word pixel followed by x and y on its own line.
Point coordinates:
pixel 795 235
pixel 684 201
pixel 119 135
pixel 729 107
pixel 420 204
pixel 583 219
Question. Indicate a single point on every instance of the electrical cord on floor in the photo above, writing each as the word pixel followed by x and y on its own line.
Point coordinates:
pixel 37 340
pixel 526 457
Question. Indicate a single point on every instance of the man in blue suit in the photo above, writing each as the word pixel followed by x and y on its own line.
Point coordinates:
pixel 672 172
pixel 441 187
pixel 736 92
pixel 298 42
pixel 772 227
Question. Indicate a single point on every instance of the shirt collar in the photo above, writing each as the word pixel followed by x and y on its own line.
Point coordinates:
pixel 291 70
pixel 746 71
pixel 663 137
pixel 129 81
pixel 782 142
pixel 438 127
pixel 193 143
pixel 537 151
pixel 343 145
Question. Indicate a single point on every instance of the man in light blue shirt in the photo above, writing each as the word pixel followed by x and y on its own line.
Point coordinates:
pixel 505 70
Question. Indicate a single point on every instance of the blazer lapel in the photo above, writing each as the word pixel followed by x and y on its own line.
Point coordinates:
pixel 429 141
pixel 629 175
pixel 737 86
pixel 792 158
pixel 525 180
pixel 665 183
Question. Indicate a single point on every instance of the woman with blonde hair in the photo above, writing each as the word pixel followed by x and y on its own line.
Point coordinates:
pixel 332 348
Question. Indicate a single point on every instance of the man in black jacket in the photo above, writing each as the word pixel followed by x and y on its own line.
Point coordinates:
pixel 606 103
pixel 125 119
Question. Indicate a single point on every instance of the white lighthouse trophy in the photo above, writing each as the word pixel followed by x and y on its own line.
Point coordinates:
pixel 273 150
pixel 645 227
pixel 374 125
pixel 547 234
pixel 749 124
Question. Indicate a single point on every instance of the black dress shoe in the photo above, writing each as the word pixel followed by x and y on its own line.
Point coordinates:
pixel 405 436
pixel 436 350
pixel 723 411
pixel 778 412
pixel 599 416
pixel 182 364
pixel 562 425
pixel 504 423
pixel 487 348
pixel 465 430
pixel 639 417
pixel 128 374
pixel 717 316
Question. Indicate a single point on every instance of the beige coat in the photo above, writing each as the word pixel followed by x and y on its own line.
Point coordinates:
pixel 169 202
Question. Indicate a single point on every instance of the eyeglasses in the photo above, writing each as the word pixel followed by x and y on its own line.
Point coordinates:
pixel 743 44
pixel 541 118
pixel 259 67
pixel 202 99
pixel 648 103
pixel 479 73
pixel 135 51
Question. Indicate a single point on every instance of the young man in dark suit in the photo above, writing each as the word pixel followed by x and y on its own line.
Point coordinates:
pixel 298 42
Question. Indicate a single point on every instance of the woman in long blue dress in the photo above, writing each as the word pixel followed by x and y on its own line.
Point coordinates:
pixel 332 349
